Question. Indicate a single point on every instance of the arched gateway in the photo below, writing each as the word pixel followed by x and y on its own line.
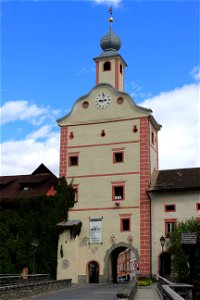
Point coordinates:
pixel 111 256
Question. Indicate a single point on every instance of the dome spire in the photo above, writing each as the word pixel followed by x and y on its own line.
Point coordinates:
pixel 110 41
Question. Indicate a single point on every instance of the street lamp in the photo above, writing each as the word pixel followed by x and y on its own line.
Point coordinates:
pixel 162 242
pixel 34 244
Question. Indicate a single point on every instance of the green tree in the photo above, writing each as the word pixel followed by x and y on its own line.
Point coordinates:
pixel 186 260
pixel 22 220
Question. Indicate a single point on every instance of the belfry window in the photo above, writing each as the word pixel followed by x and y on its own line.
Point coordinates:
pixel 120 68
pixel 107 66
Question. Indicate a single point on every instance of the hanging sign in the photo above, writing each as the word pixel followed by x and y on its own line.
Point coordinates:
pixel 95 231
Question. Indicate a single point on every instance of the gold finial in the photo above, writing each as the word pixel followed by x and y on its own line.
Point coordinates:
pixel 111 18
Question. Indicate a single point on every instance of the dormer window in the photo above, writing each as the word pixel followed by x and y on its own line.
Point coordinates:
pixel 107 66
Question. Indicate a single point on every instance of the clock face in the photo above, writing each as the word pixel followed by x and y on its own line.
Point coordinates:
pixel 102 100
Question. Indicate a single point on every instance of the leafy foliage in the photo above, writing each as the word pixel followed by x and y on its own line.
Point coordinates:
pixel 184 256
pixel 22 220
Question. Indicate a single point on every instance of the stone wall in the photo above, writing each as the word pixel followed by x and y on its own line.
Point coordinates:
pixel 20 291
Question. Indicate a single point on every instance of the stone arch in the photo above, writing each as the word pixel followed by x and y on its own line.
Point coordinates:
pixel 110 259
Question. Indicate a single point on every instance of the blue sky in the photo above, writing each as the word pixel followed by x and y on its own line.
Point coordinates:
pixel 47 51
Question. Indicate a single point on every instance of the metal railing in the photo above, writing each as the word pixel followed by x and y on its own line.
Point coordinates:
pixel 174 291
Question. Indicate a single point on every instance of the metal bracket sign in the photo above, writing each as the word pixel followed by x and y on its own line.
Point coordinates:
pixel 189 238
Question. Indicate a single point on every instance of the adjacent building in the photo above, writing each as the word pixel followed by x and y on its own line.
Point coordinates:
pixel 41 182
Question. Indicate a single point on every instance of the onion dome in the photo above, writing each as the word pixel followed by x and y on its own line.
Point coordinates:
pixel 110 41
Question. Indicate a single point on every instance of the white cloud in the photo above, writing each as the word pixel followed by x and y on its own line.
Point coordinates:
pixel 178 113
pixel 24 111
pixel 195 73
pixel 114 3
pixel 43 132
pixel 23 157
pixel 176 110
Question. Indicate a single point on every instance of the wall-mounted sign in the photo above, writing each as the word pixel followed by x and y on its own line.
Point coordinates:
pixel 96 231
pixel 189 238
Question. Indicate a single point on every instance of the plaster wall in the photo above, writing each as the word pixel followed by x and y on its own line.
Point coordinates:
pixel 185 203
pixel 79 252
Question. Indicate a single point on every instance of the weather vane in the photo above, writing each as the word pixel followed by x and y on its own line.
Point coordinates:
pixel 111 18
pixel 110 10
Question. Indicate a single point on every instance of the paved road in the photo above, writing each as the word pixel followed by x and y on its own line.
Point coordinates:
pixel 91 291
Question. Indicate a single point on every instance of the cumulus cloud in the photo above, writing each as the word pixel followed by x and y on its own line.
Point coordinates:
pixel 178 113
pixel 23 157
pixel 195 73
pixel 24 111
pixel 114 3
pixel 176 110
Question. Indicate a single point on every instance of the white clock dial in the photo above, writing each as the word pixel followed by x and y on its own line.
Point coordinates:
pixel 102 100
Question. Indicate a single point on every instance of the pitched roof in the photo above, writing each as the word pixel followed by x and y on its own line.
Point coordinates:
pixel 22 186
pixel 175 179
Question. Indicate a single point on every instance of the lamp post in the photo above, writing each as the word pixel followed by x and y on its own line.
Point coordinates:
pixel 34 244
pixel 162 242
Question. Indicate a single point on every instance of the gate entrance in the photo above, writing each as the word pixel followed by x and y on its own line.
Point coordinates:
pixel 165 264
pixel 93 271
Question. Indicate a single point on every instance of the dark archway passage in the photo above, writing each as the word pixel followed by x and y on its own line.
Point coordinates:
pixel 111 257
pixel 93 271
pixel 114 256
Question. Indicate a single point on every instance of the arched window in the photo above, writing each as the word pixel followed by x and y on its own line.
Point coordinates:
pixel 107 66
pixel 121 68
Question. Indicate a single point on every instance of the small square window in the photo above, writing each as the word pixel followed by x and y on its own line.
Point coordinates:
pixel 73 161
pixel 125 224
pixel 118 157
pixel 170 207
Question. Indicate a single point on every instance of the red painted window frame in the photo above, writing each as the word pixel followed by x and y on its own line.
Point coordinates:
pixel 70 155
pixel 121 223
pixel 118 184
pixel 172 220
pixel 114 157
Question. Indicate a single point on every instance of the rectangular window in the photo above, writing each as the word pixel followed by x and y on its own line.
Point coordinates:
pixel 118 157
pixel 118 192
pixel 125 224
pixel 73 159
pixel 198 206
pixel 170 207
pixel 170 225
